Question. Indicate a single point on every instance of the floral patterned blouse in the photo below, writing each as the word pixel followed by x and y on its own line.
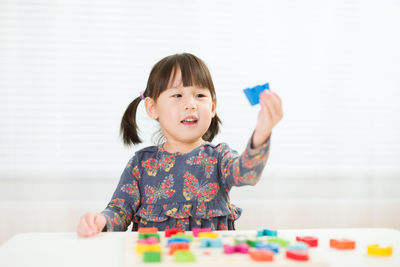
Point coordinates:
pixel 175 190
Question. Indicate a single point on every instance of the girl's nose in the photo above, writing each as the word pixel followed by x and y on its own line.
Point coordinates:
pixel 190 104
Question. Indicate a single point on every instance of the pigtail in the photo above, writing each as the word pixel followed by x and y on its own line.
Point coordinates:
pixel 213 129
pixel 129 128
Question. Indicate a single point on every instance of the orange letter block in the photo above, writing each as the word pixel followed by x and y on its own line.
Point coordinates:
pixel 342 243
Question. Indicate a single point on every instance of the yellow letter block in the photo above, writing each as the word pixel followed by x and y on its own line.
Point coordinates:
pixel 376 250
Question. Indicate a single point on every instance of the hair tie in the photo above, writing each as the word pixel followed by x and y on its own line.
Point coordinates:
pixel 142 95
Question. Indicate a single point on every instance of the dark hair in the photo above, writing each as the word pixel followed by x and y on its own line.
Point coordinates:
pixel 194 72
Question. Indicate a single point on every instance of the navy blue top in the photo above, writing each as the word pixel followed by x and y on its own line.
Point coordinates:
pixel 175 190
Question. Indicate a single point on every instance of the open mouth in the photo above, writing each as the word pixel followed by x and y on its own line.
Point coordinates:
pixel 189 121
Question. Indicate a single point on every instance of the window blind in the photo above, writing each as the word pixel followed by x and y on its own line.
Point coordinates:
pixel 68 70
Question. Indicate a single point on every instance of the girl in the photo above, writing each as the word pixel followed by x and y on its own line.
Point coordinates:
pixel 184 181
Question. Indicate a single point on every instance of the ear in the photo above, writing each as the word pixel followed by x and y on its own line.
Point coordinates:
pixel 150 106
pixel 214 107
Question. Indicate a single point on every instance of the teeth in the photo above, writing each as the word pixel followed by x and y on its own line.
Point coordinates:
pixel 190 120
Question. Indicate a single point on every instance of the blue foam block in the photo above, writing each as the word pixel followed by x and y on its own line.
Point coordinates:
pixel 253 93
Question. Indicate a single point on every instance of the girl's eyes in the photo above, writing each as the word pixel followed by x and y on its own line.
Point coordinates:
pixel 179 95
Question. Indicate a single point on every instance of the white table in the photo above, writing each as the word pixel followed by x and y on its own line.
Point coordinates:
pixel 108 249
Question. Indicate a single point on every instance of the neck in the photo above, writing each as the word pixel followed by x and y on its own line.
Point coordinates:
pixel 182 147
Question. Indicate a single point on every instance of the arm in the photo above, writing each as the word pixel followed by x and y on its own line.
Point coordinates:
pixel 125 200
pixel 246 169
pixel 269 115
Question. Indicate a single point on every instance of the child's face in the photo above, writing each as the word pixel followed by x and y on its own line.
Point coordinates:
pixel 184 113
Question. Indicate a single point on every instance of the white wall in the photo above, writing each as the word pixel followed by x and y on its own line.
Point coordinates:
pixel 68 69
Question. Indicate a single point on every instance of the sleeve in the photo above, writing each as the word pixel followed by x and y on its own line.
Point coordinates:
pixel 125 200
pixel 244 169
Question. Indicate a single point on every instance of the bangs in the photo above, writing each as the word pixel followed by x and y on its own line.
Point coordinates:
pixel 193 71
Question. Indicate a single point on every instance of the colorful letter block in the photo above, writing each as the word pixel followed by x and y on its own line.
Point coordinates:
pixel 178 246
pixel 298 246
pixel 282 242
pixel 196 231
pixel 145 236
pixel 270 246
pixel 251 243
pixel 298 255
pixel 177 240
pixel 151 256
pixel 309 240
pixel 211 243
pixel 342 244
pixel 182 235
pixel 376 250
pixel 148 241
pixel 141 248
pixel 267 232
pixel 261 255
pixel 208 234
pixel 184 256
pixel 147 230
pixel 173 231
pixel 239 248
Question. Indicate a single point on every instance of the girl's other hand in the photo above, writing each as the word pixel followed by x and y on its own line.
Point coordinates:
pixel 270 114
pixel 90 224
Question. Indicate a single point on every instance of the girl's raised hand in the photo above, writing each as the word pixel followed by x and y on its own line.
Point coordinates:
pixel 269 115
pixel 90 224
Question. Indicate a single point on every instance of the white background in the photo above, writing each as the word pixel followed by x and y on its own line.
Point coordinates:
pixel 69 69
